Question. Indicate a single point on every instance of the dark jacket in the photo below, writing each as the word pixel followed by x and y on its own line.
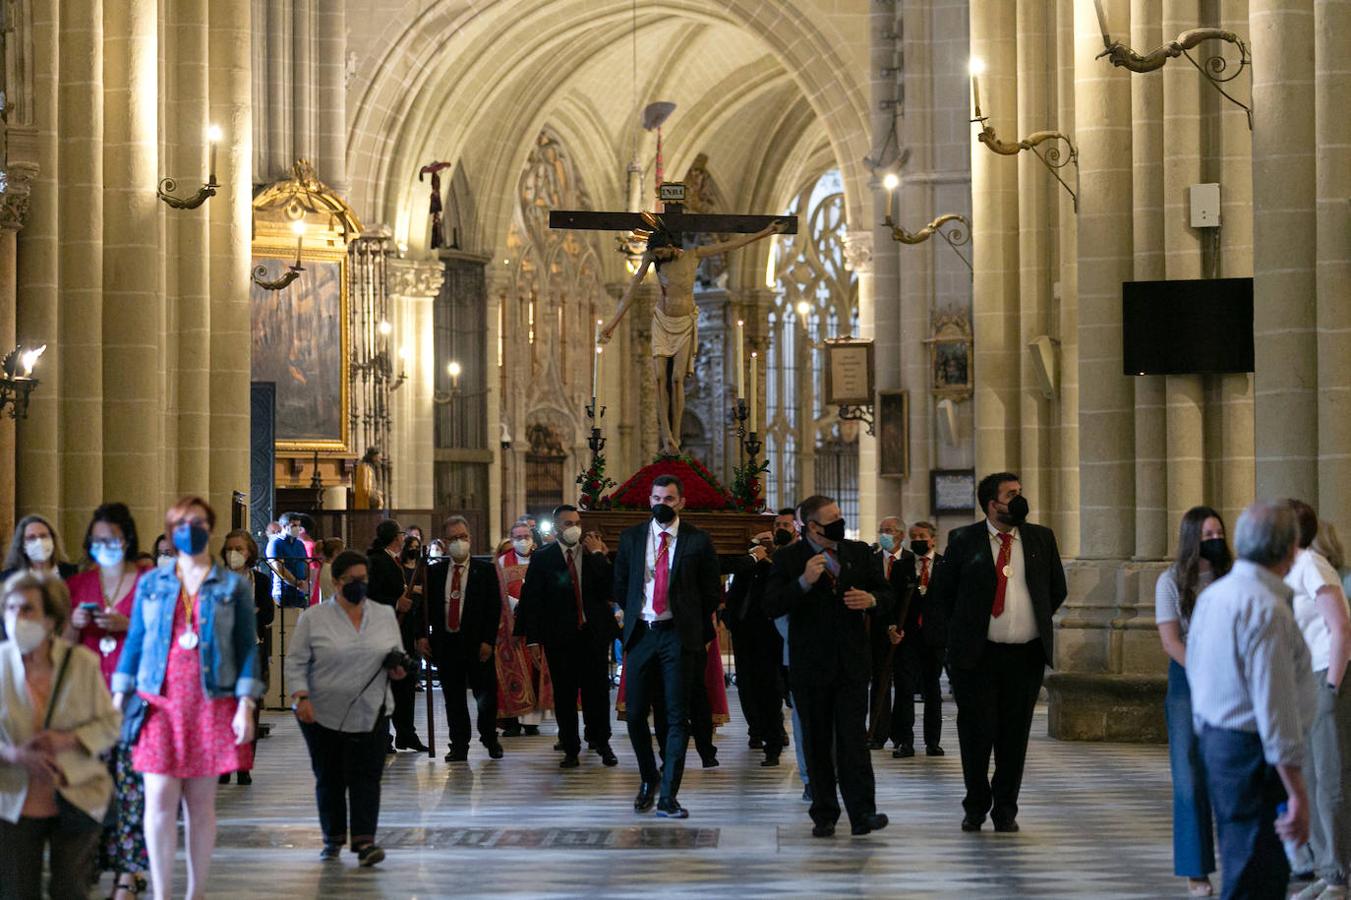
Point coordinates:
pixel 827 641
pixel 480 609
pixel 695 586
pixel 904 610
pixel 547 613
pixel 386 582
pixel 962 588
pixel 933 630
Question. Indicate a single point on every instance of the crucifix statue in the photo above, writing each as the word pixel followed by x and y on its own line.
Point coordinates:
pixel 674 337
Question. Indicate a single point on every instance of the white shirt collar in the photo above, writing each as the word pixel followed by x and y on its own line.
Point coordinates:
pixel 671 528
pixel 995 532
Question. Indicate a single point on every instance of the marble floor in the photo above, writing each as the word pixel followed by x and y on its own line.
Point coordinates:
pixel 1095 818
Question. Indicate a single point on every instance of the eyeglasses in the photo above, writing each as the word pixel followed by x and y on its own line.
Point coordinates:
pixel 108 544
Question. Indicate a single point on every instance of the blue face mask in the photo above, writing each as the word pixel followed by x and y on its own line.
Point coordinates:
pixel 107 555
pixel 887 542
pixel 191 539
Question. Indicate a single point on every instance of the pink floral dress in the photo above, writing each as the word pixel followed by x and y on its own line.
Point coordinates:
pixel 186 734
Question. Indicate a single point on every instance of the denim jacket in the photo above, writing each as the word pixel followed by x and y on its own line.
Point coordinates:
pixel 229 637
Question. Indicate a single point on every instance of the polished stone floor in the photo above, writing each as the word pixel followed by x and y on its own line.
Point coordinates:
pixel 1095 818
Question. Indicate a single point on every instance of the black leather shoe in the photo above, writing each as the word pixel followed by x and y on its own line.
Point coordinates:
pixel 224 779
pixel 607 756
pixel 756 744
pixel 903 753
pixel 971 823
pixel 570 762
pixel 647 793
pixel 823 830
pixel 457 754
pixel 330 852
pixel 558 745
pixel 671 809
pixel 531 731
pixel 413 743
pixel 369 855
pixel 710 761
pixel 511 731
pixel 245 777
pixel 769 761
pixel 877 745
pixel 807 793
pixel 934 750
pixel 494 750
pixel 875 822
pixel 1008 827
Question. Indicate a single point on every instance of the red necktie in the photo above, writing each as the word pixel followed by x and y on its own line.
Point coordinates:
pixel 924 571
pixel 576 589
pixel 453 614
pixel 1001 578
pixel 887 568
pixel 661 578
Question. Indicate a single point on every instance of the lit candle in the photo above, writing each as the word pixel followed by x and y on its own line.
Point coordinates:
pixel 213 137
pixel 977 68
pixel 454 370
pixel 740 358
pixel 890 182
pixel 298 229
pixel 1102 23
pixel 754 356
pixel 595 388
pixel 595 365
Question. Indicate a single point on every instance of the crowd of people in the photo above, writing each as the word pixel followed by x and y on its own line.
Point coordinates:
pixel 130 684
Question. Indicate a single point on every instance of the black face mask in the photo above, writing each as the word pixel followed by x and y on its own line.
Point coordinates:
pixel 919 548
pixel 1017 511
pixel 1214 551
pixel 663 514
pixel 834 531
pixel 782 537
pixel 354 591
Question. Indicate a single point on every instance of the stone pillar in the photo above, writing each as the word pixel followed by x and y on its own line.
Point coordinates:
pixel 1066 518
pixel 876 495
pixel 280 149
pixel 13 212
pixel 1332 87
pixel 133 305
pixel 994 213
pixel 1285 239
pixel 1147 162
pixel 302 80
pixel 188 238
pixel 231 219
pixel 413 286
pixel 331 94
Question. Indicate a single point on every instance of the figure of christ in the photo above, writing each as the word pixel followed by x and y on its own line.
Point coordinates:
pixel 674 320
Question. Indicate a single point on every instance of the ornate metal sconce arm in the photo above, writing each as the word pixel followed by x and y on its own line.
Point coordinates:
pixel 1122 56
pixel 862 414
pixel 168 186
pixel 1051 156
pixel 277 284
pixel 956 235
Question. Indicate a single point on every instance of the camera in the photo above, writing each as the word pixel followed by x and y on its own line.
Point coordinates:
pixel 397 659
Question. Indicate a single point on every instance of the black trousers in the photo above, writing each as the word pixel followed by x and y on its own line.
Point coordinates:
pixel 347 768
pixel 658 664
pixel 882 684
pixel 918 669
pixel 72 853
pixel 461 671
pixel 759 656
pixel 405 696
pixel 995 700
pixel 835 741
pixel 1244 792
pixel 582 666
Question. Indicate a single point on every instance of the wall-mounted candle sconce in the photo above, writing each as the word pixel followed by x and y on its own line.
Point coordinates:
pixel 168 186
pixel 16 379
pixel 956 235
pixel 443 398
pixel 292 272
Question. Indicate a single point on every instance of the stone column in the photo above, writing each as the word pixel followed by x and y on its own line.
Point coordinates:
pixel 1147 163
pixel 13 212
pixel 280 148
pixel 230 248
pixel 413 288
pixel 1332 87
pixel 133 305
pixel 302 80
pixel 37 477
pixel 331 94
pixel 876 495
pixel 1066 518
pixel 189 237
pixel 994 213
pixel 1285 239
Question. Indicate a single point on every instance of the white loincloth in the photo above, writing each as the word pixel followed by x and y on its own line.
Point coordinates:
pixel 671 334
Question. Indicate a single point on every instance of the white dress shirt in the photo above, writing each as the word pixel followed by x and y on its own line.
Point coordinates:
pixel 1018 624
pixel 464 590
pixel 930 557
pixel 654 532
pixel 1310 574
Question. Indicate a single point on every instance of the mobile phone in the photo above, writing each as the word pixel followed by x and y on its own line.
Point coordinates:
pixel 90 607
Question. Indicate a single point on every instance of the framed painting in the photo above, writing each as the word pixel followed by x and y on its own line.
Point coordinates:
pixel 849 372
pixel 893 434
pixel 950 351
pixel 952 491
pixel 300 343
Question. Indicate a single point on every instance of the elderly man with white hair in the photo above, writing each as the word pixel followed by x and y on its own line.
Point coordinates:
pixel 1250 677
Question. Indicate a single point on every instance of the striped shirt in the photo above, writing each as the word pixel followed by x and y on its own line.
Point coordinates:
pixel 1247 663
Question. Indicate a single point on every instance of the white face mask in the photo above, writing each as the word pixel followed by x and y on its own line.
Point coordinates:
pixel 459 550
pixel 165 561
pixel 522 547
pixel 26 634
pixel 571 535
pixel 434 552
pixel 235 560
pixel 38 550
pixel 296 531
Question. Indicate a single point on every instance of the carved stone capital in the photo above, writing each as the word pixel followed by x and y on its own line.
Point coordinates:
pixel 414 277
pixel 16 186
pixel 858 251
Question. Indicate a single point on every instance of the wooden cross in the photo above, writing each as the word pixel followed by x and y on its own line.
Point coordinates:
pixel 676 220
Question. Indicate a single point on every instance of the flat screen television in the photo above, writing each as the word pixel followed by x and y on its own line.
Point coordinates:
pixel 1191 327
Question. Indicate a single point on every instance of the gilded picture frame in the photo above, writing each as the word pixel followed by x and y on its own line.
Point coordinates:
pixel 893 434
pixel 850 372
pixel 951 352
pixel 300 342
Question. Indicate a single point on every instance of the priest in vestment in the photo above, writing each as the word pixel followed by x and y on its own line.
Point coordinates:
pixel 524 691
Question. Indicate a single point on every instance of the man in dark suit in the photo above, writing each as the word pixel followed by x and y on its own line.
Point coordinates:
pixel 667 582
pixel 565 606
pixel 386 585
pixel 999 584
pixel 897 567
pixel 464 610
pixel 756 642
pixel 919 655
pixel 830 587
